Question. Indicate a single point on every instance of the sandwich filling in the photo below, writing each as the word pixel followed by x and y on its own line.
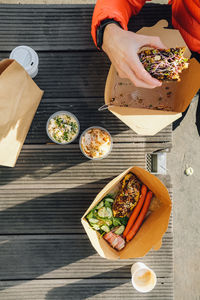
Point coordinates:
pixel 164 65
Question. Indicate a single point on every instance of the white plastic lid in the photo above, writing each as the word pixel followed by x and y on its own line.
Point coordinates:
pixel 26 57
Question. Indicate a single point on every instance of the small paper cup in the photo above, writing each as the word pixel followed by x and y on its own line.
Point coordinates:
pixel 62 112
pixel 111 144
pixel 143 278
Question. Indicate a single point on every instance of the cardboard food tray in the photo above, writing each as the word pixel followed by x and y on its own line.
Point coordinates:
pixel 153 228
pixel 119 92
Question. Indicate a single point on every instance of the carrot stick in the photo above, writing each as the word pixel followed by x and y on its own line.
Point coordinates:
pixel 135 211
pixel 140 218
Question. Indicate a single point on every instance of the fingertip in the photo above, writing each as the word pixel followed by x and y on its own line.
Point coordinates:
pixel 151 80
pixel 158 83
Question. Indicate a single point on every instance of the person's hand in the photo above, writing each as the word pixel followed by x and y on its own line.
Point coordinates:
pixel 122 47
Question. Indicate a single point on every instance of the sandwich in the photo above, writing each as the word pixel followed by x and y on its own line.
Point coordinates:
pixel 127 197
pixel 164 65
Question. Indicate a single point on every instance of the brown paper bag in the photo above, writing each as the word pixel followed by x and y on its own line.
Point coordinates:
pixel 19 99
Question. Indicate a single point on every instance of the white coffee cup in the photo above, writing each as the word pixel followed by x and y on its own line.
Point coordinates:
pixel 27 58
pixel 143 278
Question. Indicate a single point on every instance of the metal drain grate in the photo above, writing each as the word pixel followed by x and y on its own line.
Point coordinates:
pixel 157 163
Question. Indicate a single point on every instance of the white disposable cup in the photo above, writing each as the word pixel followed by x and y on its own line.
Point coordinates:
pixel 80 141
pixel 62 112
pixel 143 278
pixel 27 58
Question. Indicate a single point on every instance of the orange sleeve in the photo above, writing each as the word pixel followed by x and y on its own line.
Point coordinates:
pixel 119 10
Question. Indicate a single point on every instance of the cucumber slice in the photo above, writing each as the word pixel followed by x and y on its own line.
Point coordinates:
pixel 102 212
pixel 105 212
pixel 120 230
pixel 96 227
pixel 109 200
pixel 109 212
pixel 92 220
pixel 90 215
pixel 105 228
pixel 101 204
pixel 108 222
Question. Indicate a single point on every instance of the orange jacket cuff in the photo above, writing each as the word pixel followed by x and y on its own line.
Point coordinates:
pixel 119 10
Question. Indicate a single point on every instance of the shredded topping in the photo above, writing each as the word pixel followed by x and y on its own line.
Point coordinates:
pixel 164 64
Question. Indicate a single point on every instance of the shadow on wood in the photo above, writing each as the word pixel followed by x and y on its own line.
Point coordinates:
pixel 42 211
pixel 91 286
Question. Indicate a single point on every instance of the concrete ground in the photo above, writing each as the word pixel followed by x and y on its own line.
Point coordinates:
pixel 186 201
pixel 186 192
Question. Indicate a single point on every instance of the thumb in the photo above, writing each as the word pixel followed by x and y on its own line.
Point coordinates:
pixel 154 42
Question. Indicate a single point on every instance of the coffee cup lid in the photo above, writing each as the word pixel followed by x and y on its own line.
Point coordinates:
pixel 26 57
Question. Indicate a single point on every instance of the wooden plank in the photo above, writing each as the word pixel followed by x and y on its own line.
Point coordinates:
pixel 46 27
pixel 32 211
pixel 49 214
pixel 68 163
pixel 149 15
pixel 71 74
pixel 75 289
pixel 80 86
pixel 48 191
pixel 87 112
pixel 78 90
pixel 60 27
pixel 47 188
pixel 82 91
pixel 143 147
pixel 88 115
pixel 71 256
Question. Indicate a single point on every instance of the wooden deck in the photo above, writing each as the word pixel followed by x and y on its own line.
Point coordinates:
pixel 44 252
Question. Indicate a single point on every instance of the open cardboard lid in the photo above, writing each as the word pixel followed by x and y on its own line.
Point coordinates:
pixel 148 121
pixel 170 37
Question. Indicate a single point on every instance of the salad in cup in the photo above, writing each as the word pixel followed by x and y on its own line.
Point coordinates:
pixel 62 127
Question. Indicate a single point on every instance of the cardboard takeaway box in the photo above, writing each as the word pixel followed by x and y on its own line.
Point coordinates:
pixel 177 95
pixel 19 99
pixel 153 228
